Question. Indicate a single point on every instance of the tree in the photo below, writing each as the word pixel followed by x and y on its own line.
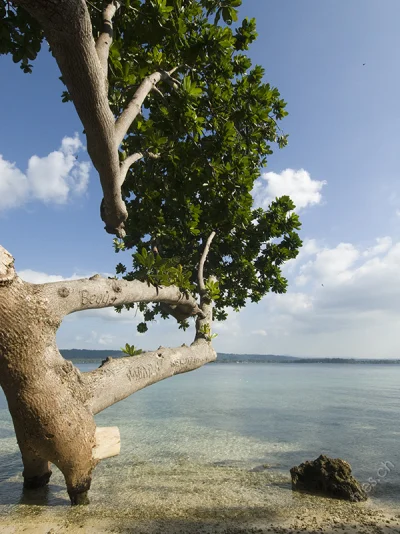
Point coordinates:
pixel 178 123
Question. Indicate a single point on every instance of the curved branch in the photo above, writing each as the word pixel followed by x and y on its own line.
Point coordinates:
pixel 118 379
pixel 123 123
pixel 127 117
pixel 130 160
pixel 96 292
pixel 121 377
pixel 206 250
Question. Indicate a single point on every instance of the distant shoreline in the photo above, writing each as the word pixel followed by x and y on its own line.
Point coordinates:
pixel 95 356
pixel 266 362
pixel 311 361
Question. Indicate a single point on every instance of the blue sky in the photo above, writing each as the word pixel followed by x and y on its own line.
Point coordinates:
pixel 344 124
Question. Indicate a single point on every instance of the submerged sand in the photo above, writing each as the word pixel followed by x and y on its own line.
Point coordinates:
pixel 185 498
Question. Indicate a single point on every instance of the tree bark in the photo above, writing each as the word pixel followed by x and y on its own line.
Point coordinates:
pixel 119 378
pixel 51 402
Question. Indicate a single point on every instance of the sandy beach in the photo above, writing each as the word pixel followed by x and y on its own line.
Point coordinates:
pixel 194 499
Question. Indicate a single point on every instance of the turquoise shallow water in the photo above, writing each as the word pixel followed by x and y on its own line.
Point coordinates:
pixel 246 415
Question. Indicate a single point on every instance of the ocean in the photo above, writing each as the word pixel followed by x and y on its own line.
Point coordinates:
pixel 238 419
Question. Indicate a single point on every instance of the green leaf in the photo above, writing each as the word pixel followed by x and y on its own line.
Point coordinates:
pixel 142 328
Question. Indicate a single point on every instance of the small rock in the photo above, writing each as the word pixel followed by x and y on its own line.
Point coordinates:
pixel 329 477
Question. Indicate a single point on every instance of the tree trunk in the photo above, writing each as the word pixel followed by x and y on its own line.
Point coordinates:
pixel 51 402
pixel 44 393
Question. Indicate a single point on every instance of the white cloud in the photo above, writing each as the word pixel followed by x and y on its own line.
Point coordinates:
pixel 14 185
pixel 309 248
pixel 106 339
pixel 109 314
pixel 37 277
pixel 329 265
pixel 229 327
pixel 348 308
pixel 293 303
pixel 50 179
pixel 298 184
pixel 351 308
pixel 261 332
pixel 383 244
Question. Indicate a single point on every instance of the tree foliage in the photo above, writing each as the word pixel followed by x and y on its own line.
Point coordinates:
pixel 209 134
pixel 20 35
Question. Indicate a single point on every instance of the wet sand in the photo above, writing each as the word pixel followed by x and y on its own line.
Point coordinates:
pixel 188 498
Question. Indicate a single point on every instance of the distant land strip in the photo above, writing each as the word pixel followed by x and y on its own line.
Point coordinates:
pixel 94 356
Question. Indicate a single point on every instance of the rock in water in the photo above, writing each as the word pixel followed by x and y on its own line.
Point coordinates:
pixel 329 477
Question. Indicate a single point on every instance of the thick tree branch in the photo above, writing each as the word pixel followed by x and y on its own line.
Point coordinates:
pixel 83 65
pixel 121 377
pixel 134 107
pixel 68 29
pixel 118 379
pixel 105 39
pixel 98 292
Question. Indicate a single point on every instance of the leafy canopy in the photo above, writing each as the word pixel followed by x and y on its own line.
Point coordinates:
pixel 212 133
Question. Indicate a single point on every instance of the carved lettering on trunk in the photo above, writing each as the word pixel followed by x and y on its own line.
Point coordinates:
pixel 88 298
pixel 188 362
pixel 138 373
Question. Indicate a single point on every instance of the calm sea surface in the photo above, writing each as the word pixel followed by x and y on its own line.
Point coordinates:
pixel 247 415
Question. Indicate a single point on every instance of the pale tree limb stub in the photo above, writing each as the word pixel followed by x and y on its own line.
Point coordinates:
pixel 204 322
pixel 203 260
pixel 105 39
pixel 108 442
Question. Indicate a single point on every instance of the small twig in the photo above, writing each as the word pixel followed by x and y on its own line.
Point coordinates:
pixel 93 6
pixel 167 78
pixel 202 286
pixel 170 72
pixel 276 124
pixel 157 90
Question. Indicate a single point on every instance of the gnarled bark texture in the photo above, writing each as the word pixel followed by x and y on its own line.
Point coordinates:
pixel 51 402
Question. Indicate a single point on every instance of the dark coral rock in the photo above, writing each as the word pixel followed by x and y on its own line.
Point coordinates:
pixel 329 477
